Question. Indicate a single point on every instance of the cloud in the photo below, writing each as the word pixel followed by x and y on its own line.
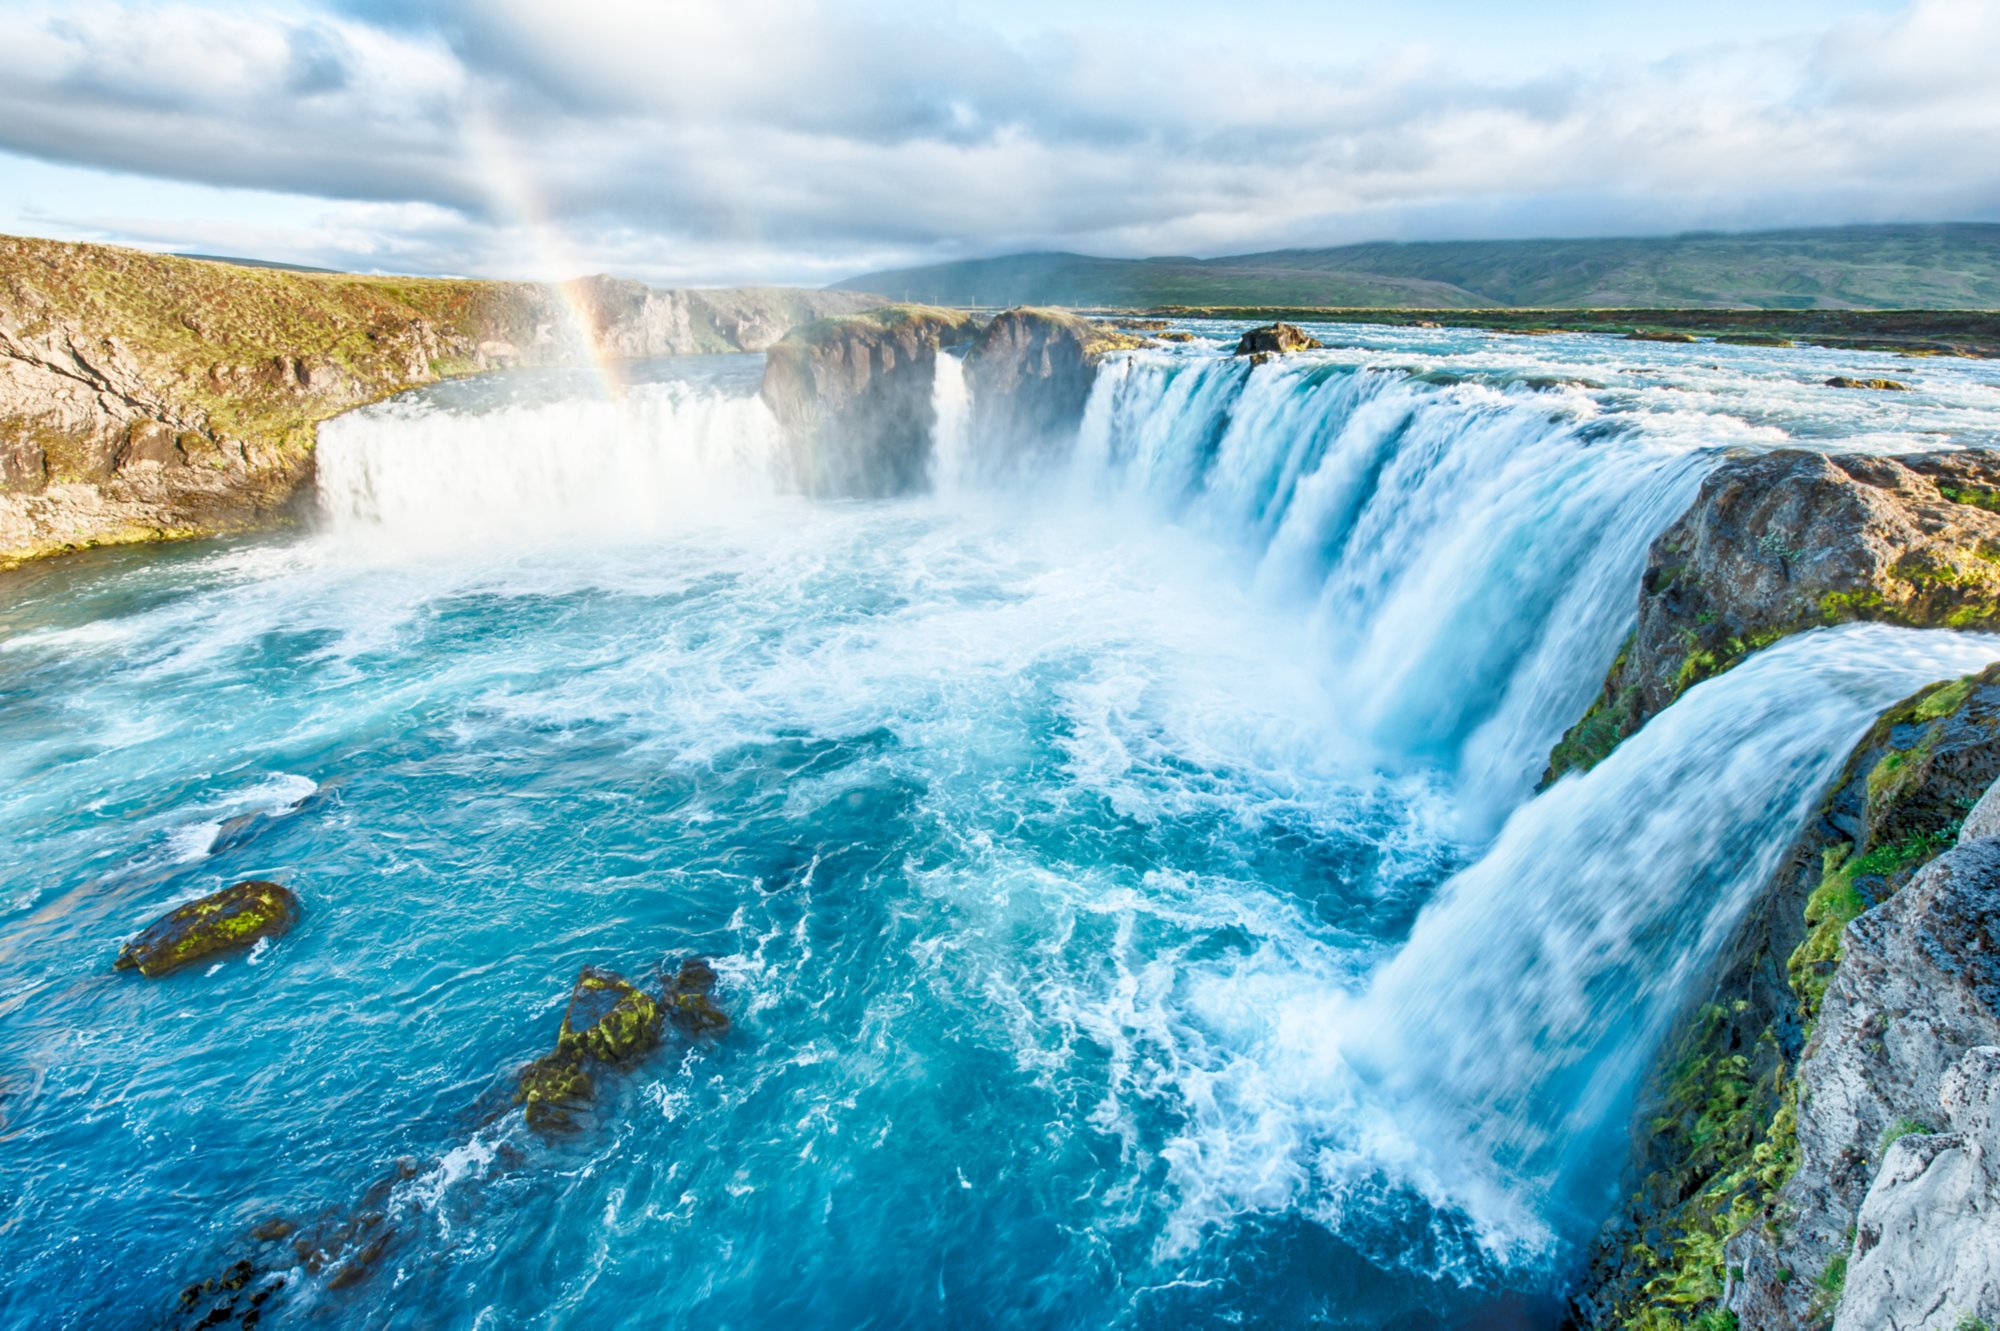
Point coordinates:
pixel 740 139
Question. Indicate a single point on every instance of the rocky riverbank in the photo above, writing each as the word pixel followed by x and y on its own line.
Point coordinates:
pixel 1811 1149
pixel 144 396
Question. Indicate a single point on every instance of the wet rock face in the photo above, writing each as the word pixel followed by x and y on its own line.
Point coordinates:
pixel 1892 1113
pixel 1275 339
pixel 1031 374
pixel 222 922
pixel 1790 540
pixel 1927 1243
pixel 853 396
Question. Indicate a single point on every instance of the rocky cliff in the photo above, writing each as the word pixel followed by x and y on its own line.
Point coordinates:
pixel 855 395
pixel 1811 1151
pixel 1782 541
pixel 144 396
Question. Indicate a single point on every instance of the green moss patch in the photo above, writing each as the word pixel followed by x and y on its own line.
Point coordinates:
pixel 222 922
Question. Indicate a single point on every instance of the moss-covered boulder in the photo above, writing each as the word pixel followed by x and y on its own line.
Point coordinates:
pixel 1790 540
pixel 609 1021
pixel 221 922
pixel 1873 385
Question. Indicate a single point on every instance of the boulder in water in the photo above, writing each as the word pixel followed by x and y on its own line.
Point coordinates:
pixel 1276 339
pixel 610 1021
pixel 688 1004
pixel 1878 385
pixel 221 922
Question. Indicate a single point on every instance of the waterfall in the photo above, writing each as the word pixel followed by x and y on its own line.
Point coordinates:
pixel 418 467
pixel 1465 555
pixel 1513 1027
pixel 951 441
pixel 1468 557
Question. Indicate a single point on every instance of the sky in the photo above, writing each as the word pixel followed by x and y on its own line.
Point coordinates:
pixel 707 142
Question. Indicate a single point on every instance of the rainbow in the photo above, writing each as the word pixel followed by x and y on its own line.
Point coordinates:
pixel 517 196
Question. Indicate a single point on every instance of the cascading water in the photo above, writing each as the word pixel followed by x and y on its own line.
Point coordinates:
pixel 951 436
pixel 1469 556
pixel 1100 867
pixel 550 462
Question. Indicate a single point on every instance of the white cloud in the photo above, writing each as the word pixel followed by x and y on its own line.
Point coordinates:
pixel 737 139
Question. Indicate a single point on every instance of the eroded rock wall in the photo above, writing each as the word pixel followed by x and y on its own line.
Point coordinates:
pixel 1721 1132
pixel 855 395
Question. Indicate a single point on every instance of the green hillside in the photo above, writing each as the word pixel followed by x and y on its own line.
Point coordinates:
pixel 1945 266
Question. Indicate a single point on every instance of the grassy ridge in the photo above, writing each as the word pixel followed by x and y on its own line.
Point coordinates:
pixel 1945 266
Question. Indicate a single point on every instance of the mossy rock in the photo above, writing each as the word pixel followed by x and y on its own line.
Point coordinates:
pixel 221 922
pixel 553 1090
pixel 610 1021
pixel 1878 385
pixel 609 1018
pixel 688 1004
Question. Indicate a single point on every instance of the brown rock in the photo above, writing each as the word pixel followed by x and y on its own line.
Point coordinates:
pixel 1783 541
pixel 1275 339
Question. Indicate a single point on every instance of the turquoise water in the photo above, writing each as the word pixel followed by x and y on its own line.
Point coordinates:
pixel 1062 845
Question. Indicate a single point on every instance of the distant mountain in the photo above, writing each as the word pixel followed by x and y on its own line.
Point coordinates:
pixel 1943 266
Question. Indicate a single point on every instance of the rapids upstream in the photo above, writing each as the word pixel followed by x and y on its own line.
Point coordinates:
pixel 1123 873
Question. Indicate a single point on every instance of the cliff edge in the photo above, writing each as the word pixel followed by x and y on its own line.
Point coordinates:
pixel 1811 1150
pixel 856 395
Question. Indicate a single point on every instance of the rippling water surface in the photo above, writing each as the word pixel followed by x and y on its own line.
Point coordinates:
pixel 1063 843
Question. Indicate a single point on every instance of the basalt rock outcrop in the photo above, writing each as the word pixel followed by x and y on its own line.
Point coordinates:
pixel 144 396
pixel 855 395
pixel 1770 1165
pixel 1031 374
pixel 1789 540
pixel 219 923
